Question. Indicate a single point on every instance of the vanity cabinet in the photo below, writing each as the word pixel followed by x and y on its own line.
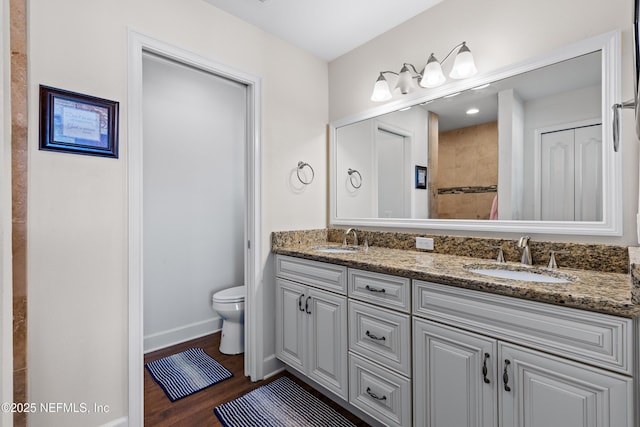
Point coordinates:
pixel 380 346
pixel 416 353
pixel 311 322
pixel 491 360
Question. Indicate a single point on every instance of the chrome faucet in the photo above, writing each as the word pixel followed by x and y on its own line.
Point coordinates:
pixel 355 237
pixel 523 244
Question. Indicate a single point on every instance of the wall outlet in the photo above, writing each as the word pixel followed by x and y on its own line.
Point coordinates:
pixel 424 243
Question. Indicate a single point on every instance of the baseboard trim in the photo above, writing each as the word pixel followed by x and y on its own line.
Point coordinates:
pixel 179 335
pixel 271 366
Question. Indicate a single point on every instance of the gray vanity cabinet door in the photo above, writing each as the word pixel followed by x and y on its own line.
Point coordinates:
pixel 451 388
pixel 327 341
pixel 291 323
pixel 537 389
pixel 311 333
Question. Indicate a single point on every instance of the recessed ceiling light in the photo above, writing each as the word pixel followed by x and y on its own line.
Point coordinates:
pixel 406 108
pixel 481 87
pixel 472 111
pixel 452 95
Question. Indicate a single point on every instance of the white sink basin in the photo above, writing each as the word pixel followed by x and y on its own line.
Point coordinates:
pixel 525 275
pixel 336 249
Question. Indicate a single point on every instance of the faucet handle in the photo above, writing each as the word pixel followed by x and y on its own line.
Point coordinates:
pixel 500 257
pixel 552 258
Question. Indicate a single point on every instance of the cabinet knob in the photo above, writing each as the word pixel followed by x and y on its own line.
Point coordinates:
pixel 375 396
pixel 371 289
pixel 485 370
pixel 505 375
pixel 374 337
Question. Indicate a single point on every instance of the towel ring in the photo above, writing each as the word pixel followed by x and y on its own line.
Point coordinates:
pixel 359 181
pixel 301 165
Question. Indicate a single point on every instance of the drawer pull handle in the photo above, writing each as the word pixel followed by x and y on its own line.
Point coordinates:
pixel 374 337
pixel 485 370
pixel 300 303
pixel 375 396
pixel 306 306
pixel 370 289
pixel 505 375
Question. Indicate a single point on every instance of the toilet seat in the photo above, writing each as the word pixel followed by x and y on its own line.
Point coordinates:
pixel 235 294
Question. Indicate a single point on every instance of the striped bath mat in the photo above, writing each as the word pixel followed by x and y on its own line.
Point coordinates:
pixel 281 403
pixel 185 373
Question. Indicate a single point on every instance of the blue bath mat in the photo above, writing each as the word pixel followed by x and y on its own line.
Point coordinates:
pixel 281 403
pixel 183 374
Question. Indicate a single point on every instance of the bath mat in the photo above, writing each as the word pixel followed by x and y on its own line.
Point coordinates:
pixel 281 403
pixel 185 373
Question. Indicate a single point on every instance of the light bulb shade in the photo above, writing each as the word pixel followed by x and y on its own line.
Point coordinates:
pixel 432 75
pixel 405 81
pixel 463 65
pixel 381 90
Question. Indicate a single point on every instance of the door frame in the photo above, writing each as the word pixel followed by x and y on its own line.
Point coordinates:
pixel 254 359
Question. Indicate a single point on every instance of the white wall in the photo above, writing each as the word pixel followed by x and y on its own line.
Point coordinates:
pixel 499 33
pixel 194 166
pixel 78 204
pixel 355 151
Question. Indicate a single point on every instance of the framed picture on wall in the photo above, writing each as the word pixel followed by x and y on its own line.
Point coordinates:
pixel 421 177
pixel 74 123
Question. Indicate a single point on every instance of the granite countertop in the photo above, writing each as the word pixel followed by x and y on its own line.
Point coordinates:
pixel 603 292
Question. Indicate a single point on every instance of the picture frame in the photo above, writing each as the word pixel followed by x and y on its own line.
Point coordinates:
pixel 421 177
pixel 71 122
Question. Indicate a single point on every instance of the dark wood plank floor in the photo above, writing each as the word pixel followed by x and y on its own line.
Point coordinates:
pixel 197 409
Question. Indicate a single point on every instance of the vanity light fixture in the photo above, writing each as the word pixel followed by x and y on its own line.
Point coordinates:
pixel 431 75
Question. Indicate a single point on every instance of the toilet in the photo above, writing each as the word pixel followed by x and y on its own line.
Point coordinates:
pixel 229 304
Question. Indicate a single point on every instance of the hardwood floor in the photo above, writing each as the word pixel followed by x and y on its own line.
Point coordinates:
pixel 197 409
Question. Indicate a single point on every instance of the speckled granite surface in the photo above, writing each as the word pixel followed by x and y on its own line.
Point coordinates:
pixel 603 292
pixel 607 258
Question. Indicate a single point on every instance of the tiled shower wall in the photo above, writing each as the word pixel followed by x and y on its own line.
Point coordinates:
pixel 467 171
pixel 18 43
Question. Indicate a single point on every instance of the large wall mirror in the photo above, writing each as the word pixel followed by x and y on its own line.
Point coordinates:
pixel 524 149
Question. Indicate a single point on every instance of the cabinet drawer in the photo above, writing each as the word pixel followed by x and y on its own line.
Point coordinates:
pixel 320 274
pixel 382 289
pixel 381 335
pixel 594 338
pixel 382 394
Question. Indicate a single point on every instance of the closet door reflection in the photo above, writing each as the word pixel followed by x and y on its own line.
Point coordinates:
pixel 571 171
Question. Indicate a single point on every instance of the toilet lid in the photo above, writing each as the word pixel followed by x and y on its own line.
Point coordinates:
pixel 234 294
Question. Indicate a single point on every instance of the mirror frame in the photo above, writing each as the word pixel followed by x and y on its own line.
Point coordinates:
pixel 611 225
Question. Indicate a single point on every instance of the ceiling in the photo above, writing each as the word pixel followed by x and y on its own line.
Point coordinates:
pixel 325 28
pixel 573 74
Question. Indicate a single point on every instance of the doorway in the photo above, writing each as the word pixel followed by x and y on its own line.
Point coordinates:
pixel 194 139
pixel 140 45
